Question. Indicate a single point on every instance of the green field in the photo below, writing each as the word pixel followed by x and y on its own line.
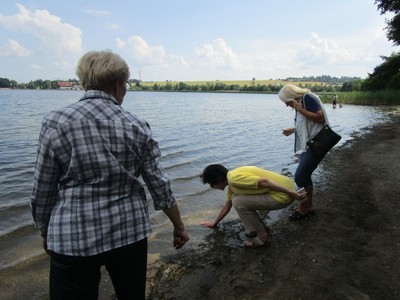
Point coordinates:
pixel 239 83
pixel 323 89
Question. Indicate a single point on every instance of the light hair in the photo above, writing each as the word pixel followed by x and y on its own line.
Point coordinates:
pixel 100 70
pixel 290 92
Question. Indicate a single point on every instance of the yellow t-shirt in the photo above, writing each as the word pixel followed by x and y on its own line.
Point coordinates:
pixel 244 181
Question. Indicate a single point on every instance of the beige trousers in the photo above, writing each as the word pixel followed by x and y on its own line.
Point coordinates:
pixel 247 206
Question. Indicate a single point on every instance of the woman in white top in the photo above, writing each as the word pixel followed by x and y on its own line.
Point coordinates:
pixel 309 120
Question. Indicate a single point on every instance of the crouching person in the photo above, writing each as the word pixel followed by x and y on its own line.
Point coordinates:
pixel 251 189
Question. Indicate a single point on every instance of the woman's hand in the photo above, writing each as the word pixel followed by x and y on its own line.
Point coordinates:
pixel 207 224
pixel 297 105
pixel 299 195
pixel 288 131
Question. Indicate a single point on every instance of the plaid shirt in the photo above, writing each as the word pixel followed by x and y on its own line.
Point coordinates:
pixel 86 195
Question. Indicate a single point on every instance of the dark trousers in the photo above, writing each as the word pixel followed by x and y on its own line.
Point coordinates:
pixel 307 165
pixel 78 277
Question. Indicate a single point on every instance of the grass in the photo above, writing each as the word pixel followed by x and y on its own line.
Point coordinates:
pixel 386 97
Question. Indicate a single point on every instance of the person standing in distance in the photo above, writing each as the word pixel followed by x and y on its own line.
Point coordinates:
pixel 87 201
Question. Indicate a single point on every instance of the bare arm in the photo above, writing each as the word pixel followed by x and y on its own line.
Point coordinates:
pixel 180 234
pixel 222 213
pixel 317 116
pixel 272 185
pixel 288 131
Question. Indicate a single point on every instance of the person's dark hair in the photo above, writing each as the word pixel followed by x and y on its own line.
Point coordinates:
pixel 214 174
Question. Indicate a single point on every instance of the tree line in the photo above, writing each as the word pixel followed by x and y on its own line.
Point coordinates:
pixel 329 84
pixel 33 84
pixel 221 86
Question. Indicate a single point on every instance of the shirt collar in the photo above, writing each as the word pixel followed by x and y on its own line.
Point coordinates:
pixel 96 94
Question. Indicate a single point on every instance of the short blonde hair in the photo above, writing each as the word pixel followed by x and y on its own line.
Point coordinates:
pixel 290 92
pixel 99 70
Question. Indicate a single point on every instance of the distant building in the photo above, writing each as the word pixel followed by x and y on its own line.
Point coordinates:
pixel 67 85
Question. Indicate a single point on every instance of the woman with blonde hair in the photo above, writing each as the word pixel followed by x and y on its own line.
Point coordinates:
pixel 309 120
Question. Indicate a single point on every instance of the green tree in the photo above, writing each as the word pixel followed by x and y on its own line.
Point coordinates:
pixel 4 83
pixel 351 86
pixel 219 86
pixel 168 87
pixel 393 25
pixel 385 76
pixel 181 86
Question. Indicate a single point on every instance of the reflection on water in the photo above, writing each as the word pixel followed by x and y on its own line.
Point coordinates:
pixel 193 130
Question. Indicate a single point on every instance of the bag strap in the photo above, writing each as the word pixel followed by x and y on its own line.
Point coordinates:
pixel 304 104
pixel 308 130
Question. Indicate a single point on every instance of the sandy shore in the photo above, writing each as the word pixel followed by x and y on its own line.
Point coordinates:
pixel 349 250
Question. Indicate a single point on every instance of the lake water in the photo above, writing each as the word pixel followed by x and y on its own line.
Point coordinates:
pixel 193 130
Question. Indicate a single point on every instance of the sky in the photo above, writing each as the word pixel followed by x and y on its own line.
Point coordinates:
pixel 194 40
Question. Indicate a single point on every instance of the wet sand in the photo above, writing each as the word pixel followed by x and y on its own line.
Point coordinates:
pixel 349 250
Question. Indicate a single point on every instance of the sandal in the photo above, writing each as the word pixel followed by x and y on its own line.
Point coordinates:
pixel 255 242
pixel 296 216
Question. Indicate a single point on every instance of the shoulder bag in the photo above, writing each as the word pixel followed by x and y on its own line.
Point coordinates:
pixel 323 141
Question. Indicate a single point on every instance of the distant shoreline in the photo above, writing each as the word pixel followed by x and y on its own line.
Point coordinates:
pixel 378 98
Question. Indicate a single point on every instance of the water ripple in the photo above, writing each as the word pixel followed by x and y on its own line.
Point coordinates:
pixel 193 130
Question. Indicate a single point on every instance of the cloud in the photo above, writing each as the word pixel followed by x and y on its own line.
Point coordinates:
pixel 13 48
pixel 141 52
pixel 324 52
pixel 178 60
pixel 35 66
pixel 55 37
pixel 216 55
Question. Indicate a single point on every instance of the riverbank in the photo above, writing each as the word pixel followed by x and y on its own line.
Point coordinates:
pixel 349 250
